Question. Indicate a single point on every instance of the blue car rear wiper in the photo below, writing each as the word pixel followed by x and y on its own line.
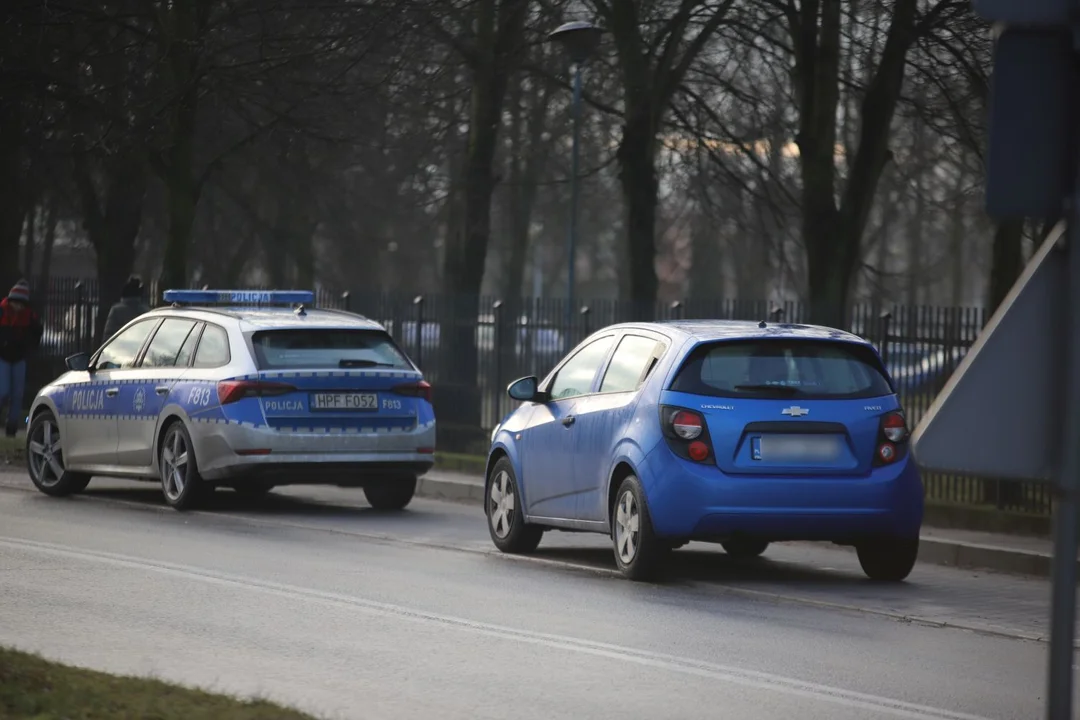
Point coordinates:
pixel 781 389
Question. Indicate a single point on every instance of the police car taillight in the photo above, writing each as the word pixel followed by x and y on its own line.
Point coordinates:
pixel 230 391
pixel 420 389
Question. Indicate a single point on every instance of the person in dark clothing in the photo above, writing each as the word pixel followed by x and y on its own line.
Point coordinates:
pixel 130 306
pixel 20 333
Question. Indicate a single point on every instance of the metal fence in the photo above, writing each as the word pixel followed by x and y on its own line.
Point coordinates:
pixel 494 341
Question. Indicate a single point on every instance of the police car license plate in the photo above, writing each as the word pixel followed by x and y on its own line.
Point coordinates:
pixel 344 401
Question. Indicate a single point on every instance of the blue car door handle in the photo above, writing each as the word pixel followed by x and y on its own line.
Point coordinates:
pixel 161 389
pixel 112 391
pixel 568 420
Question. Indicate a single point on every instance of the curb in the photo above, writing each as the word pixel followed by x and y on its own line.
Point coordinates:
pixel 936 551
pixel 454 490
pixel 975 556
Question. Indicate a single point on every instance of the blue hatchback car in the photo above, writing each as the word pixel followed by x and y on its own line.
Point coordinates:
pixel 740 433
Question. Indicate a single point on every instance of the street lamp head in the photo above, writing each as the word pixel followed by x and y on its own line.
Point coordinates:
pixel 580 39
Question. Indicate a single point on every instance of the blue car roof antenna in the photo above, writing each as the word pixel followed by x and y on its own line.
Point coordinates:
pixel 239 297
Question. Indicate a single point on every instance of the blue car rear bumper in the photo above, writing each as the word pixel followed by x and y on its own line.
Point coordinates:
pixel 690 500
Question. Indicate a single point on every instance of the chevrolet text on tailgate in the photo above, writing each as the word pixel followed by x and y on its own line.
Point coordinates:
pixel 739 433
pixel 240 389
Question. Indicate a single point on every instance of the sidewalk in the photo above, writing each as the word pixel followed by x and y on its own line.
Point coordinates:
pixel 957 548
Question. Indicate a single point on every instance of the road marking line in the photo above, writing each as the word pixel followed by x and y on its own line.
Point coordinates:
pixel 767 595
pixel 671 663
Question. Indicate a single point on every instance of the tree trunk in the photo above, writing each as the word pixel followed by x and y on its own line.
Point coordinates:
pixel 31 241
pixel 956 242
pixel 12 200
pixel 183 24
pixel 500 30
pixel 182 194
pixel 45 269
pixel 833 234
pixel 112 226
pixel 637 174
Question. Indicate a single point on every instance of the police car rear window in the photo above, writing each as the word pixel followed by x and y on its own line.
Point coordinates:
pixel 324 349
pixel 781 368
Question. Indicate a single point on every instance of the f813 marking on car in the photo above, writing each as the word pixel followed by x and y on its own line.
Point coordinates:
pixel 199 396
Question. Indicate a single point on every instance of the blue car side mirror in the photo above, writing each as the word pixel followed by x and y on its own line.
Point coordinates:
pixel 526 390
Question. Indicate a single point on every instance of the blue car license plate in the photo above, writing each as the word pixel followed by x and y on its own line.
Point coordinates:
pixel 344 401
pixel 796 448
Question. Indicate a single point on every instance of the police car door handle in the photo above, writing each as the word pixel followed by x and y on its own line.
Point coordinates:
pixel 568 420
pixel 161 389
pixel 112 391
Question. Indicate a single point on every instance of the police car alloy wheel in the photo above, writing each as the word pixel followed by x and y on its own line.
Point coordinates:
pixel 45 459
pixel 505 514
pixel 180 480
pixel 639 554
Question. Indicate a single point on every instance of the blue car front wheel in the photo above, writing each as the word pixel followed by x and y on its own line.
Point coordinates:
pixel 506 516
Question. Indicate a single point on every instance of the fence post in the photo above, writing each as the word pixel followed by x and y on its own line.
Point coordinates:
pixel 883 329
pixel 584 321
pixel 418 301
pixel 346 301
pixel 496 345
pixel 677 310
pixel 777 314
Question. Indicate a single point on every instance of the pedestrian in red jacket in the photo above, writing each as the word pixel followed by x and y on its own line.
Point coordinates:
pixel 20 333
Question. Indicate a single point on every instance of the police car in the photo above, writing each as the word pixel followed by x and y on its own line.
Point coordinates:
pixel 248 390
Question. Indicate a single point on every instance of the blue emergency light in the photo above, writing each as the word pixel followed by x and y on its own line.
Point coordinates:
pixel 239 297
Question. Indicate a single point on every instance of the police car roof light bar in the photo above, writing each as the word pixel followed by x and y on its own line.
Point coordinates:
pixel 239 297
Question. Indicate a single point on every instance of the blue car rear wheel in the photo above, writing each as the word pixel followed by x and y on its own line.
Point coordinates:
pixel 639 554
pixel 888 559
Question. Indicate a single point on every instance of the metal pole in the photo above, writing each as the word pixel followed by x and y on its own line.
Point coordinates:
pixel 1063 605
pixel 571 238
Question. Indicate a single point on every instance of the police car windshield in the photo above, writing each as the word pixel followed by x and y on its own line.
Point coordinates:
pixel 783 369
pixel 330 348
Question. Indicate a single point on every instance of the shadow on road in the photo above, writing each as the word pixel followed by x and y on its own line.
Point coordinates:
pixel 224 500
pixel 714 566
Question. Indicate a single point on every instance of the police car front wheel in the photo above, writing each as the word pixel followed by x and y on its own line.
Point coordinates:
pixel 45 459
pixel 181 483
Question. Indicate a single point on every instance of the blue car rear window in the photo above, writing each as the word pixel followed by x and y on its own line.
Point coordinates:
pixel 322 349
pixel 782 368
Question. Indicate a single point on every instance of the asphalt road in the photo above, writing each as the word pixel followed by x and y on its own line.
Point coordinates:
pixel 311 598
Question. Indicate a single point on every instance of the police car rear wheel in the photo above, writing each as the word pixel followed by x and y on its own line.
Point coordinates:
pixel 181 483
pixel 45 459
pixel 391 494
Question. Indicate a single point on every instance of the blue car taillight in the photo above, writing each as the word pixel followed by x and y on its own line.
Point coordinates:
pixel 686 433
pixel 892 439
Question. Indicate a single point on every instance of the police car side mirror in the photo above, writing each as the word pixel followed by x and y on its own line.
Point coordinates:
pixel 526 390
pixel 79 362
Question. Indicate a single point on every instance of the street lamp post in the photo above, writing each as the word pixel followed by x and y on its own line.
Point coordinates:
pixel 580 40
